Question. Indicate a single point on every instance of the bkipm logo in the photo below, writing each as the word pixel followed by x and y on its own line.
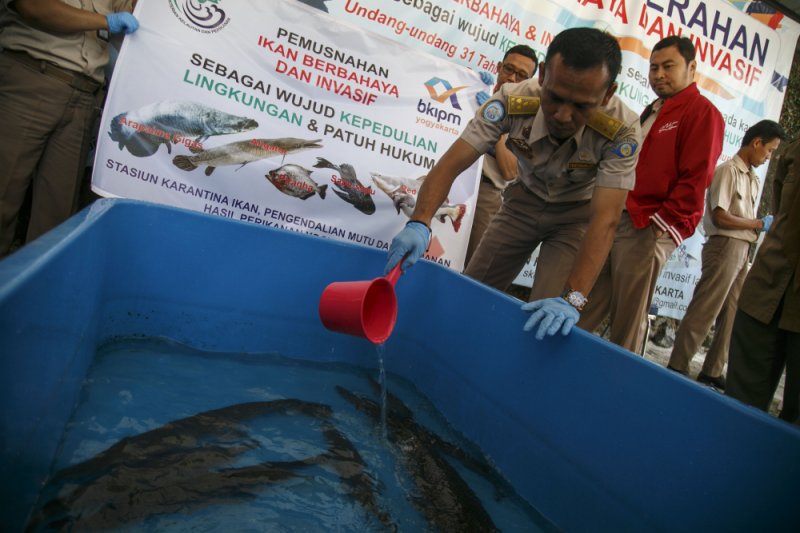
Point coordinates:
pixel 449 92
pixel 204 16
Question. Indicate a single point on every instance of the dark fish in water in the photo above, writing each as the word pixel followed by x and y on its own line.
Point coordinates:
pixel 348 188
pixel 345 461
pixel 443 497
pixel 296 181
pixel 243 152
pixel 401 410
pixel 187 463
pixel 403 192
pixel 143 130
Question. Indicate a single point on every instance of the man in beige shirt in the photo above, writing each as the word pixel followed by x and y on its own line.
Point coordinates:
pixel 730 226
pixel 51 79
pixel 576 146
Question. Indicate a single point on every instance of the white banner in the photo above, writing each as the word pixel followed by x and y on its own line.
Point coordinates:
pixel 744 54
pixel 276 114
pixel 386 110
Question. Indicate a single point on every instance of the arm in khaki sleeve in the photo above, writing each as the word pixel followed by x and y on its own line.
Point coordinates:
pixel 607 204
pixel 56 16
pixel 437 184
pixel 506 160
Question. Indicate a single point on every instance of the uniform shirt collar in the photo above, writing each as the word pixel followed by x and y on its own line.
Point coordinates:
pixel 539 131
pixel 741 165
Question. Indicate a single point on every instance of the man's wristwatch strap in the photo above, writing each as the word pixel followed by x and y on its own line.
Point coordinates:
pixel 575 299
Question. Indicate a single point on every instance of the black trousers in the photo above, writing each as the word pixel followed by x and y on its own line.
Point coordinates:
pixel 758 355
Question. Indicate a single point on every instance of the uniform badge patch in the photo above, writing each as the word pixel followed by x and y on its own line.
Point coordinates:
pixel 494 111
pixel 624 148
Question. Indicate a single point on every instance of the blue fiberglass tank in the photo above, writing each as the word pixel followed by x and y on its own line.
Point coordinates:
pixel 595 438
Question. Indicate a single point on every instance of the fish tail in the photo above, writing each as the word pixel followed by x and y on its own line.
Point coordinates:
pixel 321 190
pixel 322 163
pixel 461 209
pixel 183 162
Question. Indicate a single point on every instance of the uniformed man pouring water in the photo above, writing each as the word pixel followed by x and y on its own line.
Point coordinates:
pixel 577 147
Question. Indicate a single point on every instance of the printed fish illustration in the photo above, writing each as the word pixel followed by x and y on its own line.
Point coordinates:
pixel 190 463
pixel 143 130
pixel 243 152
pixel 348 188
pixel 443 497
pixel 403 192
pixel 296 181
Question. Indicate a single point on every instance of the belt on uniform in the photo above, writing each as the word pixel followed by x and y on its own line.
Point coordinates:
pixel 77 81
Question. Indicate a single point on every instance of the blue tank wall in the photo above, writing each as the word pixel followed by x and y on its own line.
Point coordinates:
pixel 596 438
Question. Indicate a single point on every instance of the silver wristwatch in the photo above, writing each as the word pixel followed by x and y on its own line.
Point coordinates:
pixel 575 299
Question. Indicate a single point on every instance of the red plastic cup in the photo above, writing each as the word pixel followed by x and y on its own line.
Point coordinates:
pixel 365 309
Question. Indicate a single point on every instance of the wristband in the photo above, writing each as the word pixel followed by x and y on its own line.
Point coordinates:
pixel 427 227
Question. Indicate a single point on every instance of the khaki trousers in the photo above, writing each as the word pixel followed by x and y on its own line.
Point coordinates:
pixel 44 137
pixel 624 288
pixel 715 298
pixel 523 222
pixel 490 198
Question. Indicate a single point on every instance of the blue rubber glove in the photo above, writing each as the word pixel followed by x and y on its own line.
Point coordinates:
pixel 122 22
pixel 412 240
pixel 552 315
pixel 481 97
pixel 767 220
pixel 486 77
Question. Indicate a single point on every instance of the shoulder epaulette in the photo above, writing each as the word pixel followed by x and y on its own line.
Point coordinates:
pixel 523 105
pixel 605 125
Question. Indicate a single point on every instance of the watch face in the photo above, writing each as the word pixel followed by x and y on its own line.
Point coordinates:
pixel 576 299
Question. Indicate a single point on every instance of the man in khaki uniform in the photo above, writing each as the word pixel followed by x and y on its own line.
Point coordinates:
pixel 731 226
pixel 51 78
pixel 577 146
pixel 499 164
pixel 766 331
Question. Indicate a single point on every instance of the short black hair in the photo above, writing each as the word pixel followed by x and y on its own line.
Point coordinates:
pixel 585 48
pixel 766 130
pixel 523 50
pixel 683 44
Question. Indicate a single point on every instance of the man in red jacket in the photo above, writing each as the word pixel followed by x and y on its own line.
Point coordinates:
pixel 683 134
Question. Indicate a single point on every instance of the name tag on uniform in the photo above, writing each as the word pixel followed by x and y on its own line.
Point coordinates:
pixel 580 165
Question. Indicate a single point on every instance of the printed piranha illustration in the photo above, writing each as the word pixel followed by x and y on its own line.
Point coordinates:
pixel 243 152
pixel 143 130
pixel 403 192
pixel 348 188
pixel 294 180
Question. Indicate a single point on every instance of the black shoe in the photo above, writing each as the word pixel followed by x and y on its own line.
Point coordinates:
pixel 676 371
pixel 717 382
